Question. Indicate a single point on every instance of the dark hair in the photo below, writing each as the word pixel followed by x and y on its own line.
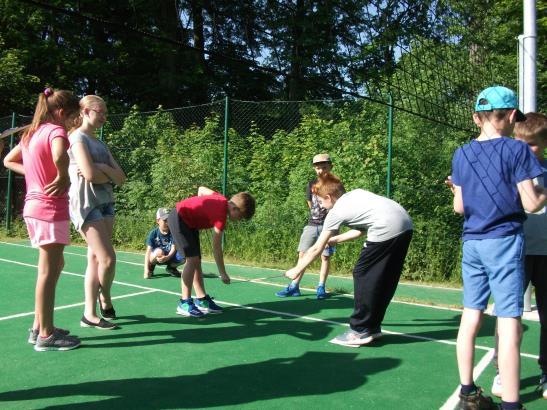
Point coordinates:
pixel 329 184
pixel 246 204
pixel 50 101
pixel 535 126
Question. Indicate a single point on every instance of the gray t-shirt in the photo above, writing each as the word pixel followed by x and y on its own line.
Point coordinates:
pixel 85 195
pixel 379 216
pixel 535 226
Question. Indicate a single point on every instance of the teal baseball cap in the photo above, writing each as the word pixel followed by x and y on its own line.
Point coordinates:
pixel 498 98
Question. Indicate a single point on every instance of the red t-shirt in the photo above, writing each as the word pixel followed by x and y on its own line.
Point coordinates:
pixel 40 170
pixel 204 212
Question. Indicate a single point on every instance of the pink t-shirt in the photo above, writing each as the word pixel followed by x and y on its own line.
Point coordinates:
pixel 40 170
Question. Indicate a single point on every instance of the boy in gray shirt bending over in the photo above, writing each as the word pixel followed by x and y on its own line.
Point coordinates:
pixel 378 269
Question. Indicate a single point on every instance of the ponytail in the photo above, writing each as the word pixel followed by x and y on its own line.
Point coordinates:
pixel 49 101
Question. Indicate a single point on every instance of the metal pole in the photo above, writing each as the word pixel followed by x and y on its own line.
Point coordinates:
pixel 527 58
pixel 527 82
pixel 10 179
pixel 389 143
pixel 225 168
pixel 101 133
pixel 226 128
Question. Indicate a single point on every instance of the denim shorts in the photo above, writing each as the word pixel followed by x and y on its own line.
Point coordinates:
pixel 494 266
pixel 309 237
pixel 100 212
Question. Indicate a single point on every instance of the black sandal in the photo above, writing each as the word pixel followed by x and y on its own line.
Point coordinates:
pixel 102 325
pixel 108 313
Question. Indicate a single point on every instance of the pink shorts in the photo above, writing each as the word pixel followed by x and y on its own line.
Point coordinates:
pixel 44 233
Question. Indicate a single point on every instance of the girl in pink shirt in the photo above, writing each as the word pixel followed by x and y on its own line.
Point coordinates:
pixel 42 157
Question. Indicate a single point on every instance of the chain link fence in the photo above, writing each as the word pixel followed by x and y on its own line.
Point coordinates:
pixel 266 148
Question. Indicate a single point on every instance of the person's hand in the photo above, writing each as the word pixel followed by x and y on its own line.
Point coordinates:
pixel 225 278
pixel 58 186
pixel 161 258
pixel 331 242
pixel 448 183
pixel 292 273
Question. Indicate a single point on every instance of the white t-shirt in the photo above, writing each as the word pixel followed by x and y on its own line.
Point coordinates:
pixel 380 217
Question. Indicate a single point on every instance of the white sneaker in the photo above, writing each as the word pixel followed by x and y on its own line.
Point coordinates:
pixel 496 386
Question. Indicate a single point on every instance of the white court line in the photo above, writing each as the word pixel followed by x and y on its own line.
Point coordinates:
pixel 452 401
pixel 76 304
pixel 417 285
pixel 260 281
pixel 275 312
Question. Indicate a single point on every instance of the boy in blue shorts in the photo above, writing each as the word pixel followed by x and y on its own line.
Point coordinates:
pixel 533 132
pixel 322 165
pixel 492 180
pixel 160 248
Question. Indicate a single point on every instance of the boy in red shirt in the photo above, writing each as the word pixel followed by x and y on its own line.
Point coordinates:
pixel 208 209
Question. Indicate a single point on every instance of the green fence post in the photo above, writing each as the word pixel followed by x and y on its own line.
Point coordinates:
pixel 226 128
pixel 10 179
pixel 101 131
pixel 225 168
pixel 389 143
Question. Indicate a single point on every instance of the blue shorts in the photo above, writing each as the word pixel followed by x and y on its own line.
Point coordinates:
pixel 100 212
pixel 494 266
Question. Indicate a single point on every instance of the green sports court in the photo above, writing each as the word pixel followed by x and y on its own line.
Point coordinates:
pixel 262 352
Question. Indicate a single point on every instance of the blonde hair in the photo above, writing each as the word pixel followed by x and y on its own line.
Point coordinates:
pixel 89 101
pixel 49 101
pixel 329 184
pixel 535 126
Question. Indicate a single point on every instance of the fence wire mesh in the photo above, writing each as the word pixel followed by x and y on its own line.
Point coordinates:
pixel 168 154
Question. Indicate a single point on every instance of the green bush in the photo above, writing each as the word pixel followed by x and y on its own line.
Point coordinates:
pixel 165 164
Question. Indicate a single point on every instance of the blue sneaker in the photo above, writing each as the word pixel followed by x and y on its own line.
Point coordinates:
pixel 290 290
pixel 187 308
pixel 321 292
pixel 207 305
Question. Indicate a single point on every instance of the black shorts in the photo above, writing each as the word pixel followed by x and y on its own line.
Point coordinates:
pixel 186 239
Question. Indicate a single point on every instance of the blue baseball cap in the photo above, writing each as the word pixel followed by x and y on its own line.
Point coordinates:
pixel 498 98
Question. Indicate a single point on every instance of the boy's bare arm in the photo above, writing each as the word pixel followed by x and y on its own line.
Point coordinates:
pixel 346 236
pixel 310 255
pixel 533 197
pixel 458 199
pixel 203 190
pixel 219 256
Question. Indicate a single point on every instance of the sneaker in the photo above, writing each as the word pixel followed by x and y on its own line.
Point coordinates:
pixel 33 334
pixel 188 308
pixel 496 386
pixel 353 338
pixel 543 385
pixel 476 401
pixel 291 290
pixel 321 292
pixel 207 305
pixel 102 325
pixel 56 341
pixel 174 272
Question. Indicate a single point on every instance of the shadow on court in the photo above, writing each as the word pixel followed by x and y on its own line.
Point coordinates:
pixel 231 385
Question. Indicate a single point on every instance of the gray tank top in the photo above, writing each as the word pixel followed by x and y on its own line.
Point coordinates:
pixel 84 196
